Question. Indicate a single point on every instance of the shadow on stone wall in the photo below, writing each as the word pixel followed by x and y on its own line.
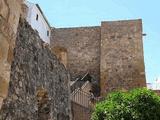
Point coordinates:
pixel 34 66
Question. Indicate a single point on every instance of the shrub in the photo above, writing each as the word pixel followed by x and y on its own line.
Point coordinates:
pixel 138 104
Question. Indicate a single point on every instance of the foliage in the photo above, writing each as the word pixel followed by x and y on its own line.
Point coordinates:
pixel 138 104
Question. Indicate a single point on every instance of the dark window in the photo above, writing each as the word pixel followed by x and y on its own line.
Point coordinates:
pixel 37 17
pixel 47 33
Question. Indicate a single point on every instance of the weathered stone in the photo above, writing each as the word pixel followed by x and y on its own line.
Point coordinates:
pixel 14 97
pixel 43 102
pixel 112 53
pixel 20 84
pixel 61 54
pixel 3 87
pixel 9 18
pixel 1 102
pixel 4 9
pixel 4 65
pixel 34 66
pixel 122 60
pixel 83 49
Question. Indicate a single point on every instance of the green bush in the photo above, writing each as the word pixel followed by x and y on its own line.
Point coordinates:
pixel 138 104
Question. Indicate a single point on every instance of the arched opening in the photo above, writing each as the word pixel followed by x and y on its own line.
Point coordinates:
pixel 61 54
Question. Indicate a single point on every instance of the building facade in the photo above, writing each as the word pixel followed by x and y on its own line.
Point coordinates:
pixel 38 21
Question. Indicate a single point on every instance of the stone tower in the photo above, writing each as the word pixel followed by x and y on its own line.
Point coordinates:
pixel 122 61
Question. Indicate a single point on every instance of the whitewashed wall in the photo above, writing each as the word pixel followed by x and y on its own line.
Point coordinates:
pixel 40 25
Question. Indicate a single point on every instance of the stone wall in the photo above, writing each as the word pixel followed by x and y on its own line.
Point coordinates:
pixel 9 18
pixel 122 61
pixel 80 112
pixel 113 52
pixel 39 85
pixel 83 49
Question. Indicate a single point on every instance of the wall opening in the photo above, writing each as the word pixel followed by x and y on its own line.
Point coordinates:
pixel 37 17
pixel 47 33
pixel 43 103
pixel 61 54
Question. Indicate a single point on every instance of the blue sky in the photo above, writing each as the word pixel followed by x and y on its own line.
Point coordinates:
pixel 71 13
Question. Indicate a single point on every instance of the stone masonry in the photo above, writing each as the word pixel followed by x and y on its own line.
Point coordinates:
pixel 39 85
pixel 38 81
pixel 83 49
pixel 9 18
pixel 122 61
pixel 111 53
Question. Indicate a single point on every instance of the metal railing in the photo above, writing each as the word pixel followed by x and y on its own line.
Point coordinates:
pixel 80 97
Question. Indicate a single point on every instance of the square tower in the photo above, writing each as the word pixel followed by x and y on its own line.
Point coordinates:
pixel 122 60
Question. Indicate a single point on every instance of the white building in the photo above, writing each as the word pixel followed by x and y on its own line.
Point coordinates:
pixel 150 86
pixel 155 85
pixel 38 21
